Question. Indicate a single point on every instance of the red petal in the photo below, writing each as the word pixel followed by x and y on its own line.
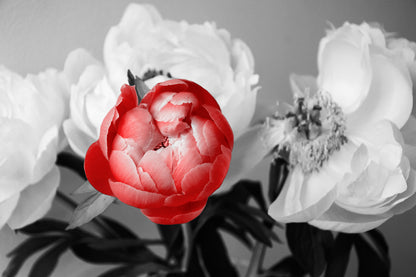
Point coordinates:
pixel 97 169
pixel 218 172
pixel 108 131
pixel 222 124
pixel 126 101
pixel 175 215
pixel 136 198
pixel 203 95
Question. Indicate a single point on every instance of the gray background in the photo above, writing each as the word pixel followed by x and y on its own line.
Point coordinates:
pixel 282 34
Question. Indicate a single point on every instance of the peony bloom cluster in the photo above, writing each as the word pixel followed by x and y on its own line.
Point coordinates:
pixel 350 137
pixel 31 114
pixel 166 155
pixel 156 49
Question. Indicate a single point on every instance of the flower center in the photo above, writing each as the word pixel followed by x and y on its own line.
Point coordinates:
pixel 163 144
pixel 316 130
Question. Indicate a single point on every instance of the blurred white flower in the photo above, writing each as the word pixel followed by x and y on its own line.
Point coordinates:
pixel 351 141
pixel 32 110
pixel 156 49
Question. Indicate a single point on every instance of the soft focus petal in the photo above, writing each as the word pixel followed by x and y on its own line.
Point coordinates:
pixel 35 201
pixel 7 207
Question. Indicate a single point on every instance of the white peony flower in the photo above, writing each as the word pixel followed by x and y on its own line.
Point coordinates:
pixel 156 49
pixel 351 141
pixel 32 110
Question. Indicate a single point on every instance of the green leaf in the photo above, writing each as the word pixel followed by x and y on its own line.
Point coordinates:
pixel 277 177
pixel 340 254
pixel 310 246
pixel 46 263
pixel 286 267
pixel 89 209
pixel 26 249
pixel 373 256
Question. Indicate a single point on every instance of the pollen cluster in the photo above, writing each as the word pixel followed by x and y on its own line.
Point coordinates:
pixel 315 130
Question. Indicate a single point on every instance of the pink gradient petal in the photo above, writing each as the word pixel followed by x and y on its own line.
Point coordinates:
pixel 196 179
pixel 156 167
pixel 124 170
pixel 136 198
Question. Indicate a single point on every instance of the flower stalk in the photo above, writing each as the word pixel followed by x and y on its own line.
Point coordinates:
pixel 187 244
pixel 256 260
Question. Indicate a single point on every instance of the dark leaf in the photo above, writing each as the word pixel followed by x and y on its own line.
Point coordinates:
pixel 310 246
pixel 373 256
pixel 118 228
pixel 26 249
pixel 89 254
pixel 277 177
pixel 256 228
pixel 47 262
pixel 244 190
pixel 239 233
pixel 72 162
pixel 133 270
pixel 214 253
pixel 43 226
pixel 114 244
pixel 286 267
pixel 340 254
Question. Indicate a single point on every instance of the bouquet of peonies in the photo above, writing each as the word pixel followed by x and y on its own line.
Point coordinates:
pixel 165 124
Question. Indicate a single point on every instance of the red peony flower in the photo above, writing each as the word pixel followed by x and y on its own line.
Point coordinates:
pixel 166 155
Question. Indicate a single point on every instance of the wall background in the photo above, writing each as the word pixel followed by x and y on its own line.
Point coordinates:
pixel 283 35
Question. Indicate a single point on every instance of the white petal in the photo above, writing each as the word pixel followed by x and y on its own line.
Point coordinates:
pixel 6 209
pixel 306 196
pixel 390 95
pixel 75 64
pixel 344 66
pixel 35 201
pixel 77 139
pixel 338 219
pixel 46 156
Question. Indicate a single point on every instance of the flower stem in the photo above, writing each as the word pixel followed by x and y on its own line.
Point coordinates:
pixel 256 260
pixel 188 245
